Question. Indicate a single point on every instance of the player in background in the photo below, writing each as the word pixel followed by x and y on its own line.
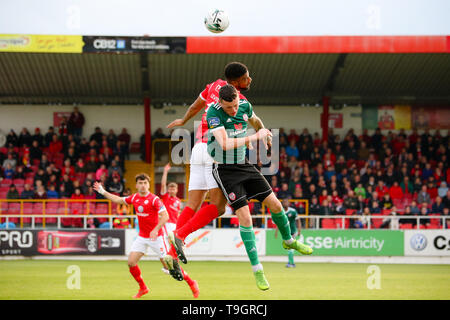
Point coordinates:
pixel 295 227
pixel 239 179
pixel 201 179
pixel 172 203
pixel 152 215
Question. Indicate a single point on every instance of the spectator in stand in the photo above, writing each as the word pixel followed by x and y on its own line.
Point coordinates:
pixel 292 149
pixel 363 152
pixel 111 138
pixel 423 196
pixel 56 146
pixel 363 221
pixel 83 146
pixel 432 190
pixel 27 192
pixel 12 139
pixel 72 155
pixel 446 199
pixel 80 166
pixel 68 185
pixel 314 209
pixel 12 192
pixel 427 171
pixel 63 194
pixel 91 165
pixel 391 221
pixel 125 138
pixel 360 191
pixel 37 136
pixel 423 213
pixel 25 138
pixel 20 173
pixel 40 176
pixel 35 151
pixel 51 192
pixel 396 192
pixel 438 206
pixel 68 169
pixel 102 160
pixel 97 136
pixel 11 161
pixel 447 220
pixel 48 137
pixel 381 189
pixel 102 171
pixel 375 208
pixel 40 193
pixel 115 186
pixel 115 168
pixel 407 186
pixel 284 192
pixel 351 201
pixel 386 202
pixel 8 172
pixel 76 122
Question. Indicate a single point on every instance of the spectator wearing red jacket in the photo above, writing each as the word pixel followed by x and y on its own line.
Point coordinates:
pixel 381 189
pixel 55 146
pixel 395 191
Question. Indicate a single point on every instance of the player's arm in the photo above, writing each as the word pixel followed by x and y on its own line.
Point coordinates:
pixel 163 217
pixel 227 143
pixel 193 109
pixel 257 124
pixel 164 179
pixel 116 199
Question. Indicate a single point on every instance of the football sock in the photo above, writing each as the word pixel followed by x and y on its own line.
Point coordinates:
pixel 184 216
pixel 136 273
pixel 248 237
pixel 281 220
pixel 291 256
pixel 186 277
pixel 203 216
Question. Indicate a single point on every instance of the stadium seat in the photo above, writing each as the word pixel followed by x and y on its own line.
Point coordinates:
pixel 406 226
pixel 328 223
pixel 376 222
pixel 38 209
pixel 27 210
pixel 101 209
pixel 51 208
pixel 6 183
pixel 350 212
pixel 435 223
pixel 19 182
pixel 14 208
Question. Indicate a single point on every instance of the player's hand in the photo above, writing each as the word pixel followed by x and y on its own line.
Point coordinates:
pixel 176 123
pixel 153 235
pixel 167 167
pixel 264 135
pixel 98 187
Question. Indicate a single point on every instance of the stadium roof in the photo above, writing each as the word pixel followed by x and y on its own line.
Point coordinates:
pixel 278 79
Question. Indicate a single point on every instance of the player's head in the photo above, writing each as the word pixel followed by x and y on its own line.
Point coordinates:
pixel 237 74
pixel 285 203
pixel 229 99
pixel 172 189
pixel 142 183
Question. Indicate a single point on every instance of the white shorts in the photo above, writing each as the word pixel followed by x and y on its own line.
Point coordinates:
pixel 201 177
pixel 141 244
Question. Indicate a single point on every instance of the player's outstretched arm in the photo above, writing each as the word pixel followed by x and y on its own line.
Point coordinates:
pixel 164 179
pixel 99 188
pixel 163 217
pixel 194 108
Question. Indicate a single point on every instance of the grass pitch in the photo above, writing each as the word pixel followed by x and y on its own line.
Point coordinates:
pixel 110 280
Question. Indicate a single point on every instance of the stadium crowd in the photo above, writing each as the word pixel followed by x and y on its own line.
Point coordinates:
pixel 387 174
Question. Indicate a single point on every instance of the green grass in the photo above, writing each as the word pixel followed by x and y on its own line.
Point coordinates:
pixel 105 280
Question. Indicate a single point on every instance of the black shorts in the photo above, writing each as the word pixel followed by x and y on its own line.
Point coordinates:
pixel 241 182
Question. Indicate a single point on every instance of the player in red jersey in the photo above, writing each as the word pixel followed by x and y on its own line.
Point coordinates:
pixel 152 215
pixel 201 179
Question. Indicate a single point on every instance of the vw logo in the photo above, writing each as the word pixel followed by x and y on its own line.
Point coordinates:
pixel 418 242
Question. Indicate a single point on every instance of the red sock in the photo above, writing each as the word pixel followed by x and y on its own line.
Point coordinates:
pixel 186 277
pixel 136 273
pixel 203 216
pixel 185 216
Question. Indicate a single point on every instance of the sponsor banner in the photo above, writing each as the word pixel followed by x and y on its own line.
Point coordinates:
pixel 134 44
pixel 41 43
pixel 204 242
pixel 427 242
pixel 56 242
pixel 344 242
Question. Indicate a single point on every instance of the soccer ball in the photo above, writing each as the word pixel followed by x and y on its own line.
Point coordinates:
pixel 217 21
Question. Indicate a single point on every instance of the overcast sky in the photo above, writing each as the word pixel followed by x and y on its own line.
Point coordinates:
pixel 247 17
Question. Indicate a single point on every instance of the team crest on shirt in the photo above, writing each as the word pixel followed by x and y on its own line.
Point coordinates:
pixel 232 196
pixel 238 126
pixel 245 116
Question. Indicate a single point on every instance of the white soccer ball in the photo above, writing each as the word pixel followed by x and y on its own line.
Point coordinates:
pixel 217 21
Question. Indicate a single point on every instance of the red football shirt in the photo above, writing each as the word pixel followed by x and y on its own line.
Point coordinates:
pixel 211 95
pixel 147 209
pixel 173 206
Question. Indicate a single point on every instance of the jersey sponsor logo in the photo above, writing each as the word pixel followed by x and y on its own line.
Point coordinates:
pixel 142 214
pixel 232 196
pixel 212 122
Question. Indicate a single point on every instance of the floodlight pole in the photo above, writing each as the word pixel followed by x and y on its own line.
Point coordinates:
pixel 325 116
pixel 148 132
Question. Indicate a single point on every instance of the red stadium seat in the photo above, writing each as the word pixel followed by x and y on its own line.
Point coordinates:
pixel 328 223
pixel 406 226
pixel 435 223
pixel 6 183
pixel 376 222
pixel 350 212
pixel 14 208
pixel 19 182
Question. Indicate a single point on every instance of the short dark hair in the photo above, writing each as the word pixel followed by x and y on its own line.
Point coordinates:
pixel 142 176
pixel 235 70
pixel 227 93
